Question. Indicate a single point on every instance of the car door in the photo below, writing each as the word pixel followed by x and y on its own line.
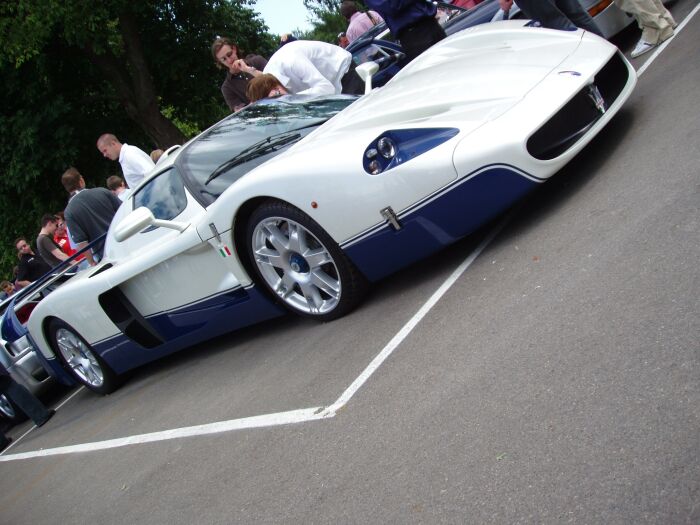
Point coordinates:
pixel 188 273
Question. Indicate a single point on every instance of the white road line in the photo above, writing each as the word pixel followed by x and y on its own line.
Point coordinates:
pixel 660 49
pixel 411 324
pixel 280 418
pixel 267 420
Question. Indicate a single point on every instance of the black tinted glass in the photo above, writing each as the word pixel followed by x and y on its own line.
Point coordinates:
pixel 267 119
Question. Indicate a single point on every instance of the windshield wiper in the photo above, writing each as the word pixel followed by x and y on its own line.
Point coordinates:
pixel 258 149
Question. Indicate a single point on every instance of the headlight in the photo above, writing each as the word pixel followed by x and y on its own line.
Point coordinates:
pixel 386 148
pixel 398 146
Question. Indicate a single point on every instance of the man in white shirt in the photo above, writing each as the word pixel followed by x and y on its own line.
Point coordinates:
pixel 306 67
pixel 135 163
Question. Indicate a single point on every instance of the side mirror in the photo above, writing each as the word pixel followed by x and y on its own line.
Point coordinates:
pixel 140 219
pixel 366 71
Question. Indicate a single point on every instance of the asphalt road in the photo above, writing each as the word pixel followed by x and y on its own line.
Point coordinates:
pixel 557 380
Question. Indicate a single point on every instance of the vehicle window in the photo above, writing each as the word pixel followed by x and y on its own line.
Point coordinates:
pixel 247 130
pixel 164 195
pixel 369 53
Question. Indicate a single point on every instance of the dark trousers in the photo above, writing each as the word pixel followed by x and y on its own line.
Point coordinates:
pixel 24 399
pixel 559 14
pixel 419 36
pixel 351 82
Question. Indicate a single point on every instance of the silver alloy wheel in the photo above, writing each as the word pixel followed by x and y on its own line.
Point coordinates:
pixel 6 408
pixel 296 265
pixel 79 357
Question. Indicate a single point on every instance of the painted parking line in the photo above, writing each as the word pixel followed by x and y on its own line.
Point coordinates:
pixel 281 418
pixel 306 414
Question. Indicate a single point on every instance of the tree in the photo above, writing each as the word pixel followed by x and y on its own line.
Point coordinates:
pixel 127 41
pixel 74 69
pixel 329 22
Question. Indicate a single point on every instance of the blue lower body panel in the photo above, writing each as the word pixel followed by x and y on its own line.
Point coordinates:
pixel 190 325
pixel 439 220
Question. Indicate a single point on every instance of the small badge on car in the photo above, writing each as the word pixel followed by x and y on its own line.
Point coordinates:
pixel 597 98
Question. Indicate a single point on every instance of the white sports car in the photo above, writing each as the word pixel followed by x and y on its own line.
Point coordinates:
pixel 296 203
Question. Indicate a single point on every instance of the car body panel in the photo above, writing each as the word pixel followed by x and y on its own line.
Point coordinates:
pixel 492 87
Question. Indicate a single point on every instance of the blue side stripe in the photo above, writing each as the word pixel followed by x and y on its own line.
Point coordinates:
pixel 438 194
pixel 189 325
pixel 439 220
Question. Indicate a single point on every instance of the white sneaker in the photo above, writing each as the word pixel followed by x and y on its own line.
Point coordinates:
pixel 641 48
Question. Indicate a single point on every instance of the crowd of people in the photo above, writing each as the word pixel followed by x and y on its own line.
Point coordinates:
pixel 86 217
pixel 310 67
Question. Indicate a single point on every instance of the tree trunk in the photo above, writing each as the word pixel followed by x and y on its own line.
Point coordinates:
pixel 132 80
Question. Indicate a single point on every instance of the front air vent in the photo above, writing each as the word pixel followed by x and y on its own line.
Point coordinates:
pixel 573 120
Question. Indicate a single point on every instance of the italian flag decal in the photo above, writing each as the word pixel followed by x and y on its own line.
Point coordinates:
pixel 224 251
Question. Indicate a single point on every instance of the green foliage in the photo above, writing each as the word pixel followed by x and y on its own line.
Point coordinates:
pixel 68 73
pixel 328 20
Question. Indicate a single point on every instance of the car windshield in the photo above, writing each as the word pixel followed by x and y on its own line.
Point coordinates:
pixel 249 138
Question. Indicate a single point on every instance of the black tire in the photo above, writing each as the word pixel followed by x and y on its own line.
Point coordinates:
pixel 310 276
pixel 80 360
pixel 11 412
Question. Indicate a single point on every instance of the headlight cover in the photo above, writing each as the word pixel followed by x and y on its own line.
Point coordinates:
pixel 398 146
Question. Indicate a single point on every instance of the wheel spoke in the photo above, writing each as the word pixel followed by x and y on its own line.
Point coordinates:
pixel 297 238
pixel 325 282
pixel 275 237
pixel 285 286
pixel 317 257
pixel 312 296
pixel 270 257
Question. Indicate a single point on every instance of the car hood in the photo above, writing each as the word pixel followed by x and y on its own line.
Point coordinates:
pixel 496 65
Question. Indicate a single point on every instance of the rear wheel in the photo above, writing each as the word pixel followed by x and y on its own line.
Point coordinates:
pixel 81 361
pixel 300 264
pixel 9 411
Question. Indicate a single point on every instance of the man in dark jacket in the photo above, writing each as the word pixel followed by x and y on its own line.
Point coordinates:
pixel 89 212
pixel 31 266
pixel 225 54
pixel 412 22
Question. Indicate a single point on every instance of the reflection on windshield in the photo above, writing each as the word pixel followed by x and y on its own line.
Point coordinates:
pixel 238 132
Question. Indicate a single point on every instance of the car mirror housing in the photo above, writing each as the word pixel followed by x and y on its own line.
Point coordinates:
pixel 140 219
pixel 366 71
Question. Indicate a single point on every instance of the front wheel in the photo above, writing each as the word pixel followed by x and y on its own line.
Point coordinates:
pixel 300 264
pixel 81 361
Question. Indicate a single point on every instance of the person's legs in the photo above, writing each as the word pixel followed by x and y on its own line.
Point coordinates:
pixel 579 16
pixel 420 36
pixel 23 398
pixel 4 441
pixel 547 13
pixel 351 82
pixel 651 18
pixel 566 15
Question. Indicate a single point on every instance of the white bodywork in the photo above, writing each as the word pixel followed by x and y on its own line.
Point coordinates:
pixel 496 83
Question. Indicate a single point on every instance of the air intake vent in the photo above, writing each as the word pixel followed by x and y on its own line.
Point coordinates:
pixel 572 121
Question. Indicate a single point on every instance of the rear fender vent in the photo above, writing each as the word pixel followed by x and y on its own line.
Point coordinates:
pixel 128 319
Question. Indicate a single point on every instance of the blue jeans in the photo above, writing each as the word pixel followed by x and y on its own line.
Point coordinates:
pixel 559 14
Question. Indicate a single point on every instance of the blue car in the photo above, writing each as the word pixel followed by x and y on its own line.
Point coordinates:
pixel 379 45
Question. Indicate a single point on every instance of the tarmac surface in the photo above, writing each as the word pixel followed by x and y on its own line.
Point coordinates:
pixel 556 379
